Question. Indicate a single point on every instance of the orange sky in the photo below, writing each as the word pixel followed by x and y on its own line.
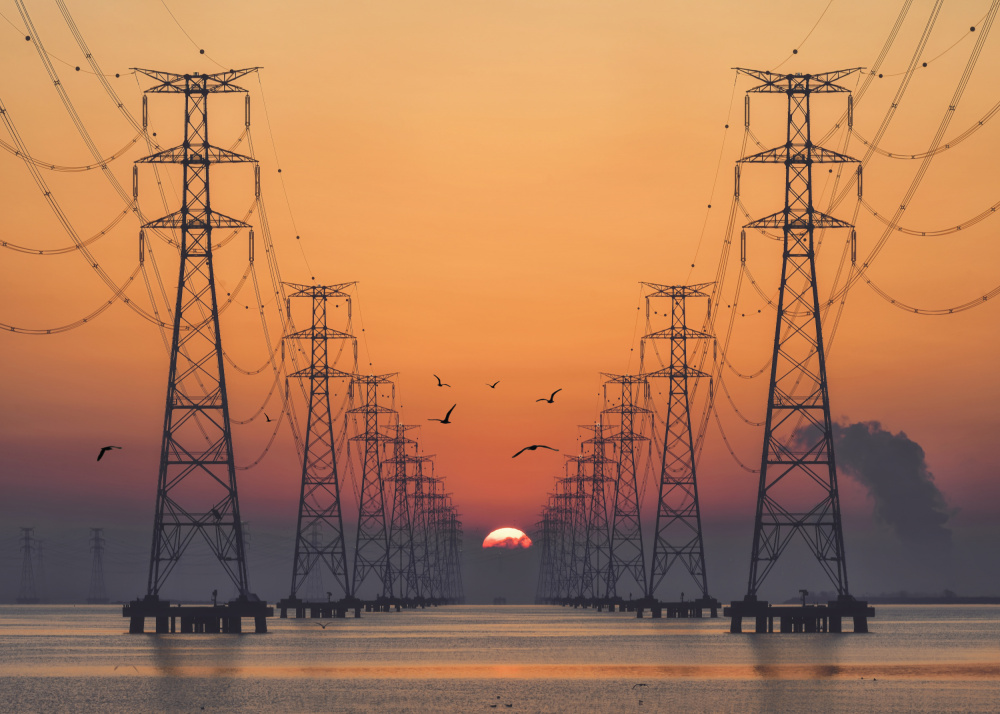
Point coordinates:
pixel 498 176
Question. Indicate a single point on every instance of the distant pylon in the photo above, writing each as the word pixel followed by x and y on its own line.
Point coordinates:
pixel 319 533
pixel 797 494
pixel 371 547
pixel 420 517
pixel 402 574
pixel 597 541
pixel 28 593
pixel 627 555
pixel 97 593
pixel 678 536
pixel 546 566
pixel 196 492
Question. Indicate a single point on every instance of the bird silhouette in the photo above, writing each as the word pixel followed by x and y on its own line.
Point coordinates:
pixel 532 448
pixel 440 383
pixel 447 417
pixel 324 625
pixel 551 398
pixel 640 684
pixel 106 448
pixel 266 416
pixel 216 514
pixel 494 385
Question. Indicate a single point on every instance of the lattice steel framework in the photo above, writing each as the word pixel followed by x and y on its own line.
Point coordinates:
pixel 319 534
pixel 678 536
pixel 28 592
pixel 371 547
pixel 423 486
pixel 97 593
pixel 547 535
pixel 797 493
pixel 627 555
pixel 402 576
pixel 196 491
pixel 597 543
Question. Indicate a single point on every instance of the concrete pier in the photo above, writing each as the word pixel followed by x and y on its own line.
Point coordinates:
pixel 196 619
pixel 800 618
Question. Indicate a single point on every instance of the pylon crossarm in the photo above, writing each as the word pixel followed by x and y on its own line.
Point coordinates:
pixel 216 82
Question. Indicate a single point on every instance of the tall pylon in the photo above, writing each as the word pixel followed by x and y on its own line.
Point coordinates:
pixel 627 553
pixel 28 593
pixel 423 486
pixel 98 593
pixel 402 574
pixel 797 493
pixel 597 542
pixel 371 546
pixel 319 534
pixel 678 536
pixel 196 491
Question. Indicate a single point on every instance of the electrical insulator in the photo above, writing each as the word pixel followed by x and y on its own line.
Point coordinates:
pixel 859 181
pixel 247 110
pixel 251 245
pixel 737 193
pixel 746 111
pixel 256 180
pixel 743 247
pixel 145 114
pixel 854 246
pixel 135 182
pixel 142 247
pixel 850 111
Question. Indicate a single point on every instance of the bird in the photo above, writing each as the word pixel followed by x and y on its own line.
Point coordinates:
pixel 125 665
pixel 216 514
pixel 440 383
pixel 324 625
pixel 266 416
pixel 552 398
pixel 532 448
pixel 494 385
pixel 640 684
pixel 447 417
pixel 106 448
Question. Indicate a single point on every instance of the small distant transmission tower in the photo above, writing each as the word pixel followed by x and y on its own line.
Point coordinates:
pixel 28 594
pixel 597 543
pixel 546 528
pixel 402 568
pixel 196 492
pixel 97 594
pixel 678 515
pixel 371 553
pixel 319 536
pixel 627 556
pixel 798 495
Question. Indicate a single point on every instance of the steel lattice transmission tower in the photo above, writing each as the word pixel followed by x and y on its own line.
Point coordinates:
pixel 627 554
pixel 319 535
pixel 28 593
pixel 97 594
pixel 402 574
pixel 597 543
pixel 678 536
pixel 196 492
pixel 371 547
pixel 797 494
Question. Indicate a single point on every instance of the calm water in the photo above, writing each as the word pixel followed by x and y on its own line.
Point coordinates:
pixel 474 658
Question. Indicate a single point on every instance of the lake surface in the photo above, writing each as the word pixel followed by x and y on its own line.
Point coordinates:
pixel 466 658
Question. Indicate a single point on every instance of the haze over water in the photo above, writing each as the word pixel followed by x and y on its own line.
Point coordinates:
pixel 467 658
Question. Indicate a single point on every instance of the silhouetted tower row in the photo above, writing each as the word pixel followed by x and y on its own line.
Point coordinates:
pixel 196 491
pixel 402 575
pixel 627 554
pixel 678 535
pixel 371 550
pixel 545 528
pixel 28 592
pixel 597 538
pixel 97 594
pixel 797 493
pixel 319 535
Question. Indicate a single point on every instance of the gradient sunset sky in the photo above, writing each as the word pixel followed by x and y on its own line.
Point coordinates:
pixel 498 177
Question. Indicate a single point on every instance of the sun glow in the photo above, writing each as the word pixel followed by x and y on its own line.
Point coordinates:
pixel 510 538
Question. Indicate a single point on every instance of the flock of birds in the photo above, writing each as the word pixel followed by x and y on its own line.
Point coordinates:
pixel 551 399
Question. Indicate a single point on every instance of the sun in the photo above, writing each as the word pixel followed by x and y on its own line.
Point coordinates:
pixel 510 538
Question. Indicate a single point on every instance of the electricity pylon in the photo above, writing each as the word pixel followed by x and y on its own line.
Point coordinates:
pixel 371 547
pixel 402 574
pixel 627 555
pixel 678 536
pixel 597 543
pixel 97 593
pixel 28 593
pixel 319 534
pixel 797 494
pixel 196 491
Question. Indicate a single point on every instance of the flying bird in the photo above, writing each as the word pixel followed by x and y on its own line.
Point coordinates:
pixel 266 416
pixel 640 684
pixel 494 385
pixel 440 383
pixel 447 417
pixel 532 448
pixel 551 398
pixel 106 448
pixel 324 625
